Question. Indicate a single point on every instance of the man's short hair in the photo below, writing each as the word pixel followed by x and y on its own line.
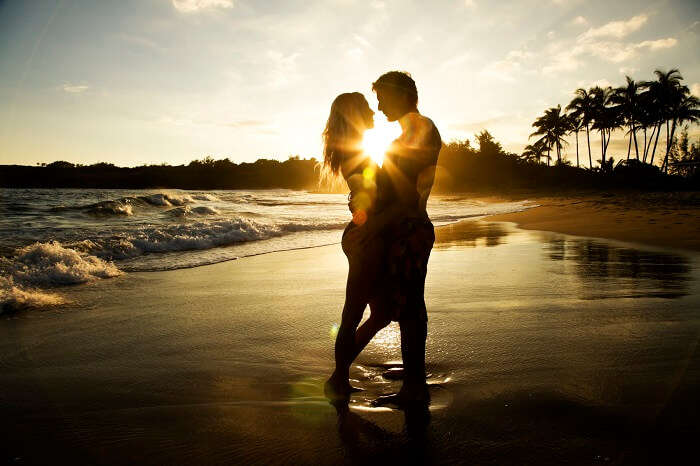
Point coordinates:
pixel 400 81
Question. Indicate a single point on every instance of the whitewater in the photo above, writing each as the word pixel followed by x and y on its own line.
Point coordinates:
pixel 51 238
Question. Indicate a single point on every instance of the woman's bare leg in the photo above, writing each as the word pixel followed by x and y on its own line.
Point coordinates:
pixel 356 300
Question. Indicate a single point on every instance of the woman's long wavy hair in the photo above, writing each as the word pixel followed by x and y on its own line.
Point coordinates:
pixel 350 116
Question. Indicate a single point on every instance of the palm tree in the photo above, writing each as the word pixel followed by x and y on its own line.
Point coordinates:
pixel 684 110
pixel 605 118
pixel 575 125
pixel 582 107
pixel 626 98
pixel 553 126
pixel 535 151
pixel 664 92
pixel 647 117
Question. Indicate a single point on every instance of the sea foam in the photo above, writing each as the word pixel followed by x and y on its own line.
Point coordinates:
pixel 14 297
pixel 51 264
pixel 121 207
pixel 198 235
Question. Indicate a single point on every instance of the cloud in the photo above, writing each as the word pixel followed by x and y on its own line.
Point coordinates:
pixel 600 83
pixel 562 61
pixel 355 53
pixel 75 88
pixel 470 3
pixel 617 52
pixel 474 126
pixel 508 67
pixel 192 6
pixel 589 84
pixel 628 70
pixel 283 68
pixel 361 40
pixel 604 43
pixel 658 44
pixel 258 126
pixel 695 89
pixel 565 2
pixel 244 123
pixel 616 29
pixel 141 42
pixel 455 61
pixel 579 21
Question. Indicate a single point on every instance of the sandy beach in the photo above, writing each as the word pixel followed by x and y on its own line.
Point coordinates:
pixel 543 348
pixel 657 219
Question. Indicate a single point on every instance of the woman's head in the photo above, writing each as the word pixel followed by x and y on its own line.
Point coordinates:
pixel 349 118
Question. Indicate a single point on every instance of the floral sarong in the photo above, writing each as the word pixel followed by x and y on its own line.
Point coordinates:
pixel 394 266
pixel 408 246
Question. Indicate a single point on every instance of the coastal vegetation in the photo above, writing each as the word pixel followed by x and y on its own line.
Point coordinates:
pixel 462 167
pixel 641 110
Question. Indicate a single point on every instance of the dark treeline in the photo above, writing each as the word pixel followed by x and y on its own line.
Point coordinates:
pixel 294 173
pixel 462 168
pixel 489 167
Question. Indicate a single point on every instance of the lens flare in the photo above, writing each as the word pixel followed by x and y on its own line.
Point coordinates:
pixel 376 141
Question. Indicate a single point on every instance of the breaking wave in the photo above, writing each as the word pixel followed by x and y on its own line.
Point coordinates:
pixel 52 264
pixel 46 265
pixel 111 208
pixel 185 211
pixel 192 236
pixel 15 298
pixel 52 238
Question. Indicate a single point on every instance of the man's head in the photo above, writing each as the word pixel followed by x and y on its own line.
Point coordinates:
pixel 396 93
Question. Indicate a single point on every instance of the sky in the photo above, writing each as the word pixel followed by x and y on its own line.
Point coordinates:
pixel 136 82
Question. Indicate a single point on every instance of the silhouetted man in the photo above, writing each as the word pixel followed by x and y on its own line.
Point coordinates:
pixel 410 167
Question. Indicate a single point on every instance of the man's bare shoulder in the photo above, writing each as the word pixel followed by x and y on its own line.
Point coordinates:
pixel 419 130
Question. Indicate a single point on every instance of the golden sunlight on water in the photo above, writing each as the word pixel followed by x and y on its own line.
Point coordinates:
pixel 388 338
pixel 377 140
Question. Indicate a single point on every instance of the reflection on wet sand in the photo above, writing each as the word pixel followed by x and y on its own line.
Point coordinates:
pixel 604 269
pixel 361 437
pixel 471 233
pixel 612 271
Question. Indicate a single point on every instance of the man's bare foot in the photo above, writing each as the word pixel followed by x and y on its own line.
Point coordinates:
pixel 408 396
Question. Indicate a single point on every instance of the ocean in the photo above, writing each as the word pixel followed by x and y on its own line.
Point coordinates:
pixel 51 238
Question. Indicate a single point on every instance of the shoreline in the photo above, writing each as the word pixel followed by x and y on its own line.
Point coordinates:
pixel 654 219
pixel 225 363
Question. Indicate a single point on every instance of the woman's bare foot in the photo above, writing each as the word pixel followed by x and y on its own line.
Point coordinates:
pixel 337 389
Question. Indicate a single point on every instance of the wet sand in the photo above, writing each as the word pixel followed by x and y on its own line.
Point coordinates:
pixel 543 349
pixel 657 219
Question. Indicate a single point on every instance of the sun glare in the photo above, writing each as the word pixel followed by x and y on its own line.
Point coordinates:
pixel 377 140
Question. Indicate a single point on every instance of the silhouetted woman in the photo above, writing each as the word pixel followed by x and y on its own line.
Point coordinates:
pixel 350 116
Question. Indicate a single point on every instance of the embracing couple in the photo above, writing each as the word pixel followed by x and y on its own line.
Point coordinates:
pixel 390 237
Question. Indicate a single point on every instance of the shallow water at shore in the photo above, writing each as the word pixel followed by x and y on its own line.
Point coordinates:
pixel 542 348
pixel 50 238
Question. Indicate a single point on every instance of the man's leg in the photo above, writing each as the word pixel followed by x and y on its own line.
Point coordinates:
pixel 414 332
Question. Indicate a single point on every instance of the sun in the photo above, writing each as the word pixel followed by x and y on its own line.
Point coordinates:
pixel 377 140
